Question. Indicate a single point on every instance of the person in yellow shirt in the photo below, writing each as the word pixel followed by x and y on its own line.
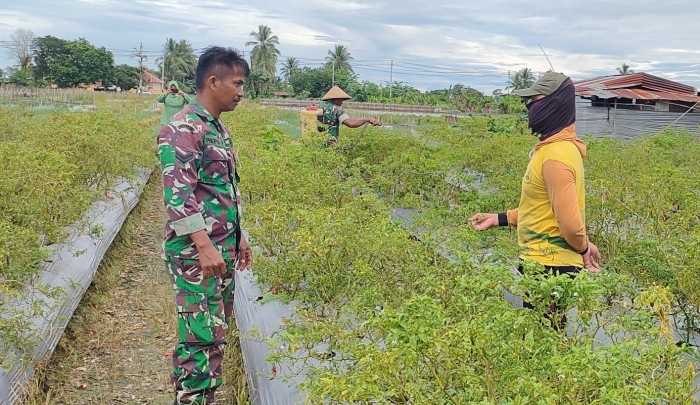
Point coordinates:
pixel 550 219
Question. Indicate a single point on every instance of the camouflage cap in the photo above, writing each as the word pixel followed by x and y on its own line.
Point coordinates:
pixel 546 85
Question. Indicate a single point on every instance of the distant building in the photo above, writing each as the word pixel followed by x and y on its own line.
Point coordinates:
pixel 152 83
pixel 639 91
pixel 635 104
pixel 282 94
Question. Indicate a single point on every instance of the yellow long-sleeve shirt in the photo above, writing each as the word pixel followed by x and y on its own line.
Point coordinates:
pixel 551 216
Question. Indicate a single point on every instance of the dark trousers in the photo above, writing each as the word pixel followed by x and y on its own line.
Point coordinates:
pixel 554 309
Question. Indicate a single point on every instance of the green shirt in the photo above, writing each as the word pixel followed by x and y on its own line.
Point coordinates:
pixel 174 103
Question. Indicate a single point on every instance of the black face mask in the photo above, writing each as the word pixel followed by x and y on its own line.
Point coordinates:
pixel 551 114
pixel 174 91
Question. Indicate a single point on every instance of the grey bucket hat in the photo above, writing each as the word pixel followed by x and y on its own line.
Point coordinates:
pixel 546 85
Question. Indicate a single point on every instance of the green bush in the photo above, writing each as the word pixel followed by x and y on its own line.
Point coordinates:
pixel 385 318
pixel 54 167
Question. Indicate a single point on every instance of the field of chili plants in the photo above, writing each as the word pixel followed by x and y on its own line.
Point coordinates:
pixel 384 315
pixel 54 167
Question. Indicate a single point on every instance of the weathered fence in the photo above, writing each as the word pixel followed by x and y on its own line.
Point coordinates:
pixel 625 124
pixel 376 107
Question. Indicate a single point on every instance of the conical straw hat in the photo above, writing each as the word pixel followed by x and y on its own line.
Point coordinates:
pixel 336 92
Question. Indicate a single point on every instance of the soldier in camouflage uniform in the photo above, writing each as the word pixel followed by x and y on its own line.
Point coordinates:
pixel 203 241
pixel 332 115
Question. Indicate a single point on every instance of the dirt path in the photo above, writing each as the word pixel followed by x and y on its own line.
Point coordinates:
pixel 117 347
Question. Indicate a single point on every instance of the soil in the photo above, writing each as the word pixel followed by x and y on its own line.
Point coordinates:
pixel 117 347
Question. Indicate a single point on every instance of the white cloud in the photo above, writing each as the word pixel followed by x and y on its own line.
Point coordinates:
pixel 10 20
pixel 486 38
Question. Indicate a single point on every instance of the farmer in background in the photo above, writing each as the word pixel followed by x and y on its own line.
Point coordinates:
pixel 332 115
pixel 550 220
pixel 174 101
pixel 203 242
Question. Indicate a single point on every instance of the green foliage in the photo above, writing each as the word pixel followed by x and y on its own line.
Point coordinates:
pixel 522 79
pixel 21 77
pixel 180 62
pixel 55 166
pixel 511 104
pixel 290 66
pixel 264 55
pixel 339 59
pixel 624 69
pixel 272 136
pixel 385 318
pixel 70 63
pixel 259 84
pixel 126 77
pixel 319 80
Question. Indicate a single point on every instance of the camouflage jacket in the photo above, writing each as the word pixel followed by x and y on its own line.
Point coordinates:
pixel 200 183
pixel 331 116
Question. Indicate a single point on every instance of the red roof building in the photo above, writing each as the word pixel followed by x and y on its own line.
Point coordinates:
pixel 152 82
pixel 639 91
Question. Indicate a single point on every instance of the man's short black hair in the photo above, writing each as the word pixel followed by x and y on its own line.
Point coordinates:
pixel 217 57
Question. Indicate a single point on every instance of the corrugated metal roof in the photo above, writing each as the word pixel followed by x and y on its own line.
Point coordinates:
pixel 638 94
pixel 648 81
pixel 640 86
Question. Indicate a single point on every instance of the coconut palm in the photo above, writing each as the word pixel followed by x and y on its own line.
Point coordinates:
pixel 340 58
pixel 522 80
pixel 624 69
pixel 180 59
pixel 289 66
pixel 264 54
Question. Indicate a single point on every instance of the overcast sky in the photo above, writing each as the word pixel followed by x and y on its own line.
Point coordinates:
pixel 428 40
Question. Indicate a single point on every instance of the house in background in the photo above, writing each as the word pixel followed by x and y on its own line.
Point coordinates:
pixel 626 106
pixel 639 91
pixel 152 83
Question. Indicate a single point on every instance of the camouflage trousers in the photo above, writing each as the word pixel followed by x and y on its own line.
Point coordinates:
pixel 204 312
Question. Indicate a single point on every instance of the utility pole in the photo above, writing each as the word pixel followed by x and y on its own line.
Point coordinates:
pixel 508 84
pixel 142 57
pixel 162 74
pixel 391 81
pixel 333 79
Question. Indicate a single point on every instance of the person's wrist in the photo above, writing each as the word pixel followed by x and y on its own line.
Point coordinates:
pixel 202 245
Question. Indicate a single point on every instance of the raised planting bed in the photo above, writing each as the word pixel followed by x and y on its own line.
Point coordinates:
pixel 381 317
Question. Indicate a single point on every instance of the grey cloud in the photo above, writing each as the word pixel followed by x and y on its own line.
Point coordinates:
pixel 489 38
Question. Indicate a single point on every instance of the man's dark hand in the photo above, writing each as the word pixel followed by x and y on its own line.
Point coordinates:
pixel 245 255
pixel 213 264
pixel 374 122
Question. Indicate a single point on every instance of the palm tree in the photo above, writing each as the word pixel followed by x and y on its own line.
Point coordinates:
pixel 522 80
pixel 289 66
pixel 340 58
pixel 624 69
pixel 257 83
pixel 264 54
pixel 180 60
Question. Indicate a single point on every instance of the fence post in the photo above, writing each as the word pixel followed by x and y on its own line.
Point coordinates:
pixel 614 118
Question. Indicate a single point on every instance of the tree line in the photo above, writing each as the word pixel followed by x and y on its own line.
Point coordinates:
pixel 42 61
pixel 48 60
